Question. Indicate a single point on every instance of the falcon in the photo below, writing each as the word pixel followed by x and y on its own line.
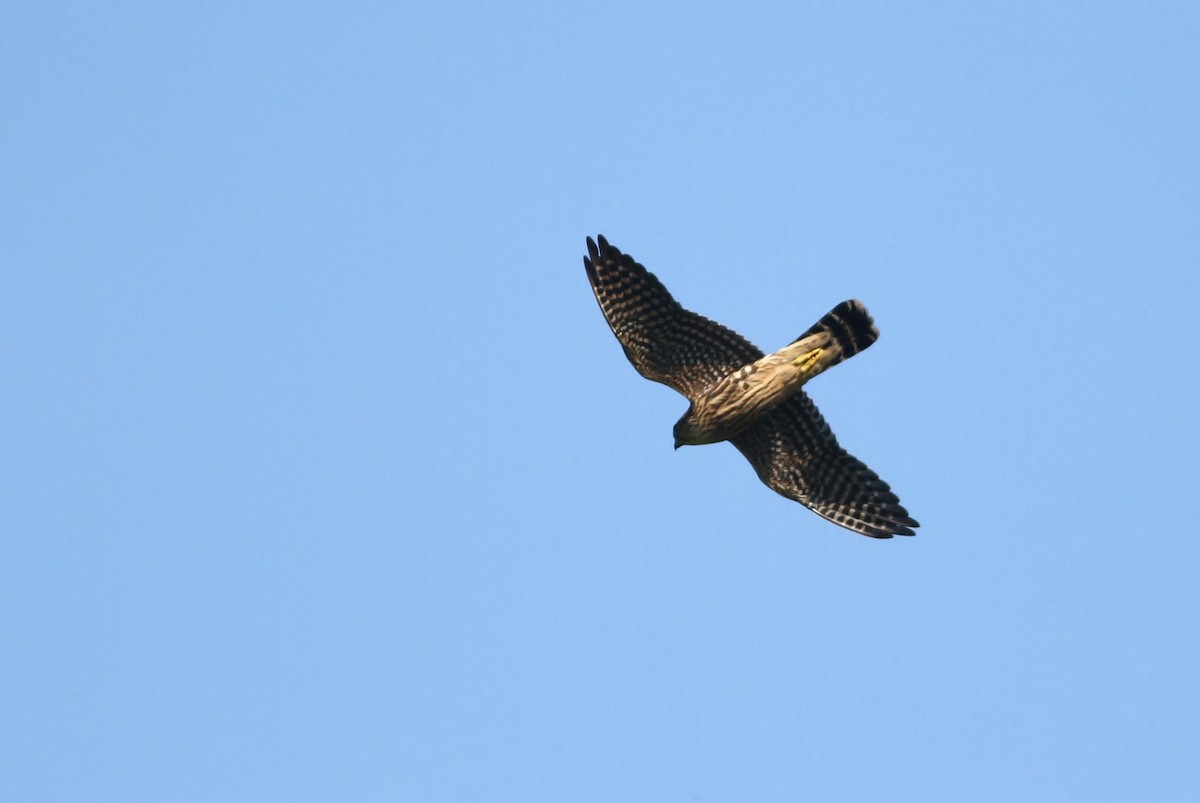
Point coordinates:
pixel 752 400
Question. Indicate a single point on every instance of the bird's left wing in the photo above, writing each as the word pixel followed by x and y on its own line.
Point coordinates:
pixel 794 453
pixel 665 342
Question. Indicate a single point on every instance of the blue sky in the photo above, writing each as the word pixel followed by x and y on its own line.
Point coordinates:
pixel 325 480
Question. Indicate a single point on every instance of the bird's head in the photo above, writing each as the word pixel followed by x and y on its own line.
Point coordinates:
pixel 685 430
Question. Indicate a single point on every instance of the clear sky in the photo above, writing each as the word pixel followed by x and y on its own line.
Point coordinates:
pixel 324 479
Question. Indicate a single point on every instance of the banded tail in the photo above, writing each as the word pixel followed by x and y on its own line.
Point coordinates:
pixel 850 329
pixel 845 330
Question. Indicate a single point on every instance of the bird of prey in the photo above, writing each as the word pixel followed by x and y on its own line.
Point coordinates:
pixel 752 400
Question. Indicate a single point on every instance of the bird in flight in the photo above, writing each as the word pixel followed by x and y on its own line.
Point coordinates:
pixel 752 400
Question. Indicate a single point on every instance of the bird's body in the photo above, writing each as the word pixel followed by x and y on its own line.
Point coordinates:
pixel 753 400
pixel 748 394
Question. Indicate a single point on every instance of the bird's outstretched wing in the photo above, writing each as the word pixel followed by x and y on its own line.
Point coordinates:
pixel 796 454
pixel 792 449
pixel 665 342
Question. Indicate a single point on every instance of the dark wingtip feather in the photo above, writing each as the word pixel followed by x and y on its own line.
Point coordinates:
pixel 903 524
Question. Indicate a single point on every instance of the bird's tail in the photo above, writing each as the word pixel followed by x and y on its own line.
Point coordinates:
pixel 845 330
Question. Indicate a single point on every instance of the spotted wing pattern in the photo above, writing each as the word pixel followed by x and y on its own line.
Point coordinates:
pixel 792 449
pixel 795 453
pixel 665 342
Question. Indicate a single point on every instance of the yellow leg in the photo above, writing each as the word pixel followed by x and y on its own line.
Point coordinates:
pixel 806 361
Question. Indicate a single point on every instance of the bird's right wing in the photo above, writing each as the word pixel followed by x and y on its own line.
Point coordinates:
pixel 795 453
pixel 665 342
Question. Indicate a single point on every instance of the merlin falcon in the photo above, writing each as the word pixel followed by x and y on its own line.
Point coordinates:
pixel 752 400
